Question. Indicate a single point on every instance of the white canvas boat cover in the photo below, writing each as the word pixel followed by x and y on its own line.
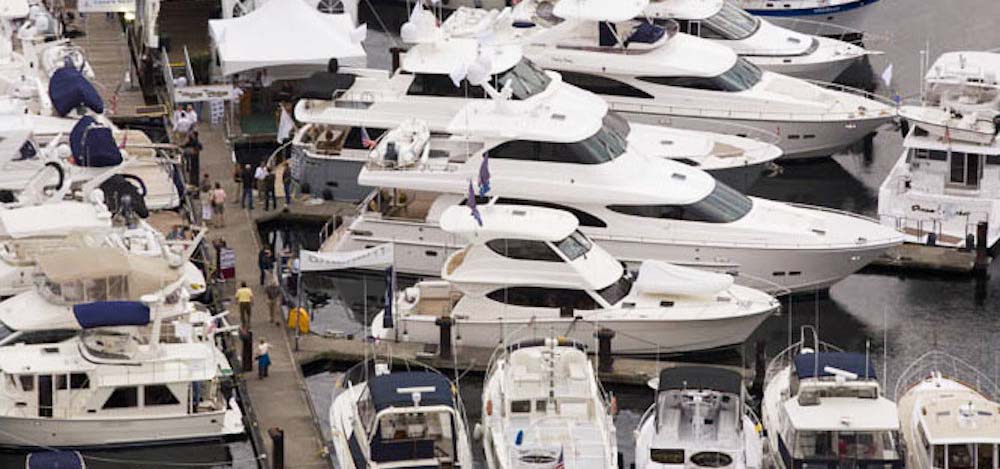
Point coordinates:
pixel 281 33
pixel 661 278
pixel 54 219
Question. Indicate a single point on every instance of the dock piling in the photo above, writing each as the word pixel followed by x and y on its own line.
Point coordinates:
pixel 246 358
pixel 444 327
pixel 278 444
pixel 982 249
pixel 604 361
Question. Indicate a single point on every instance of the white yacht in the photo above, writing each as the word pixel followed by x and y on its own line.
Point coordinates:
pixel 528 273
pixel 544 407
pixel 949 414
pixel 329 149
pixel 659 75
pixel 700 418
pixel 761 42
pixel 825 407
pixel 559 149
pixel 112 386
pixel 848 13
pixel 382 418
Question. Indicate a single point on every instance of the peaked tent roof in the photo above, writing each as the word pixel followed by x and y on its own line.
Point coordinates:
pixel 283 32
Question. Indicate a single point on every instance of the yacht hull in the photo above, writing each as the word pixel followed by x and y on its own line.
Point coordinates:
pixel 849 14
pixel 633 337
pixel 801 67
pixel 741 178
pixel 797 139
pixel 328 178
pixel 92 433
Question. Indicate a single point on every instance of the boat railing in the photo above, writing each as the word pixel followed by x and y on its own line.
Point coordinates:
pixel 855 91
pixel 707 112
pixel 949 366
pixel 935 224
pixel 808 338
pixel 831 30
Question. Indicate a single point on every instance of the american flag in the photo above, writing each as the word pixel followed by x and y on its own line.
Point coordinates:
pixel 366 140
pixel 561 464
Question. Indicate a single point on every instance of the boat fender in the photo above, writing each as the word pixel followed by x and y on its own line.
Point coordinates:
pixel 489 407
pixel 614 405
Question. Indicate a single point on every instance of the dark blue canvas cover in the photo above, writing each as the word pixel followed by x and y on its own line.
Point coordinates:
pixel 68 88
pixel 806 364
pixel 55 460
pixel 385 389
pixel 93 145
pixel 111 313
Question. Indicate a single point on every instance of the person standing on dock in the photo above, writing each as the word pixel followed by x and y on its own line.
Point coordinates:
pixel 263 358
pixel 286 182
pixel 246 178
pixel 244 297
pixel 258 176
pixel 270 198
pixel 218 201
pixel 265 262
pixel 192 155
pixel 273 292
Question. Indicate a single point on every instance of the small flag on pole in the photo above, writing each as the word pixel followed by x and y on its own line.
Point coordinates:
pixel 484 176
pixel 561 463
pixel 887 76
pixel 472 205
pixel 366 140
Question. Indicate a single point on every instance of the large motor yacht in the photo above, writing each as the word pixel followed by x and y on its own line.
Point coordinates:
pixel 543 406
pixel 825 407
pixel 528 273
pixel 761 42
pixel 700 418
pixel 842 12
pixel 658 75
pixel 330 149
pixel 382 418
pixel 949 414
pixel 567 153
pixel 114 386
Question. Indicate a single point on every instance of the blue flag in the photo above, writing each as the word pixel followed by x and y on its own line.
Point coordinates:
pixel 390 290
pixel 472 205
pixel 484 176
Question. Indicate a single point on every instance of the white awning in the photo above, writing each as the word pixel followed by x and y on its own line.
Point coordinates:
pixel 283 33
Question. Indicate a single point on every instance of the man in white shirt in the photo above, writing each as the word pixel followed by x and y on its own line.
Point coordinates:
pixel 259 174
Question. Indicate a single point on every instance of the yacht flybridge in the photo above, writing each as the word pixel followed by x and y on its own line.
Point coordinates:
pixel 658 75
pixel 543 406
pixel 824 407
pixel 561 153
pixel 949 414
pixel 761 42
pixel 528 273
pixel 329 148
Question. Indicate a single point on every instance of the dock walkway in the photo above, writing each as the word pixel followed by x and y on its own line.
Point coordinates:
pixel 107 51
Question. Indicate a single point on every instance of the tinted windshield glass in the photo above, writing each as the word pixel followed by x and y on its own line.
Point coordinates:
pixel 742 76
pixel 619 289
pixel 526 80
pixel 723 205
pixel 617 123
pixel 605 145
pixel 574 246
pixel 732 22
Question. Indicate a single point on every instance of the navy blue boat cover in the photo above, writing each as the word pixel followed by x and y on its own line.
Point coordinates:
pixel 68 89
pixel 698 377
pixel 111 313
pixel 93 145
pixel 805 364
pixel 55 460
pixel 385 389
pixel 647 33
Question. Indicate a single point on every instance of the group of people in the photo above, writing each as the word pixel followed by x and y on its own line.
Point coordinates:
pixel 263 178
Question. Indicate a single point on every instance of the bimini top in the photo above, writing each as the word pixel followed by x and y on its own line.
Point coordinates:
pixel 144 274
pixel 857 363
pixel 55 219
pixel 700 377
pixel 396 389
pixel 68 89
pixel 93 145
pixel 452 54
pixel 509 221
pixel 111 313
pixel 982 68
pixel 599 10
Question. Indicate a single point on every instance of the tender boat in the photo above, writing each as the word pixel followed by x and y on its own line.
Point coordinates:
pixel 112 386
pixel 965 82
pixel 824 407
pixel 661 76
pixel 561 150
pixel 700 419
pixel 543 407
pixel 758 40
pixel 529 273
pixel 949 414
pixel 850 13
pixel 382 418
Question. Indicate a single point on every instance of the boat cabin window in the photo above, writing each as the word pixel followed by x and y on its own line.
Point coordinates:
pixel 723 205
pixel 603 85
pixel 924 154
pixel 158 394
pixel 538 297
pixel 122 398
pixel 964 456
pixel 605 145
pixel 523 249
pixel 574 246
pixel 526 80
pixel 731 22
pixel 965 169
pixel 27 382
pixel 414 436
pixel 619 289
pixel 826 445
pixel 520 407
pixel 76 291
pixel 432 84
pixel 75 381
pixel 741 77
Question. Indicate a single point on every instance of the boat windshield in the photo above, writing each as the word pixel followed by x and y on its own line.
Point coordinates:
pixel 574 245
pixel 723 205
pixel 619 289
pixel 964 455
pixel 526 79
pixel 845 445
pixel 415 436
pixel 617 123
pixel 731 22
pixel 742 76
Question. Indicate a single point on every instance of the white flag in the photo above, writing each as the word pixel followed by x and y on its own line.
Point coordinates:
pixel 377 256
pixel 887 76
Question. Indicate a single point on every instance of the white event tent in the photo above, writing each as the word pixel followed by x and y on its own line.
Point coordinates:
pixel 285 33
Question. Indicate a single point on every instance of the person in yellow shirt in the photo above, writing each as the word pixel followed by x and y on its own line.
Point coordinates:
pixel 244 297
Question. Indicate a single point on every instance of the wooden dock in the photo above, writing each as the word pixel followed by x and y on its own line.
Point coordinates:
pixel 919 257
pixel 107 51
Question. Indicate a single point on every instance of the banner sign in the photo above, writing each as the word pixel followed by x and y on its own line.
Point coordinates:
pixel 311 261
pixel 105 6
pixel 201 93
